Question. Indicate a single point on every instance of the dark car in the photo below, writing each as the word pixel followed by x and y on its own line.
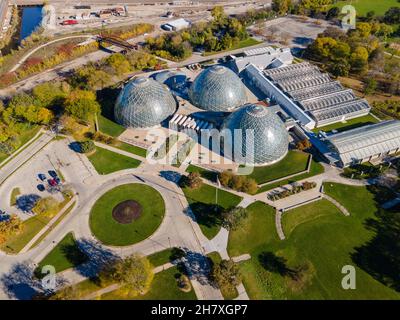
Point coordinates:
pixel 53 174
pixel 41 187
pixel 58 180
pixel 42 176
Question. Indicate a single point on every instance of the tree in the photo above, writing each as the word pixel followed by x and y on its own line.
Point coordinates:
pixel 81 104
pixel 332 13
pixel 370 86
pixel 364 29
pixel 86 146
pixel 226 274
pixel 392 16
pixel 339 68
pixel 250 186
pixel 134 274
pixel 192 181
pixel 281 6
pixel 48 94
pixel 303 145
pixel 218 15
pixel 119 64
pixel 225 177
pixel 9 227
pixel 233 218
pixel 359 59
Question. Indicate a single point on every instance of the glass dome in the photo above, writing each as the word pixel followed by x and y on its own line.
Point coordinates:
pixel 144 103
pixel 217 89
pixel 269 140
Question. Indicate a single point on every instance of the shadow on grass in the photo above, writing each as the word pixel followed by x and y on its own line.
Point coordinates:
pixel 107 97
pixel 208 215
pixel 380 257
pixel 275 264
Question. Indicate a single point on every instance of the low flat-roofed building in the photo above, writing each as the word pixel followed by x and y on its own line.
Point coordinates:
pixel 368 143
pixel 176 25
pixel 263 58
pixel 326 101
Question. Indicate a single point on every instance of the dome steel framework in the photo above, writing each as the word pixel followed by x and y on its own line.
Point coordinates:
pixel 144 103
pixel 259 136
pixel 217 89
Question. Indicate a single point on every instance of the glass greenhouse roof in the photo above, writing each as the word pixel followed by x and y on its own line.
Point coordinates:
pixel 268 136
pixel 217 89
pixel 144 103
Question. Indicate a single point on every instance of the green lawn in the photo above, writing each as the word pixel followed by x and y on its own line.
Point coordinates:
pixel 202 204
pixel 242 44
pixel 363 6
pixel 349 124
pixel 206 174
pixel 228 294
pixel 109 127
pixel 320 242
pixel 315 169
pixel 294 162
pixel 111 232
pixel 106 161
pixel 64 256
pixel 14 195
pixel 161 257
pixel 164 287
pixel 131 148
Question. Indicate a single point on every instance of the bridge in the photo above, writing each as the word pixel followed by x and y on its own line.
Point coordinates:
pixel 116 42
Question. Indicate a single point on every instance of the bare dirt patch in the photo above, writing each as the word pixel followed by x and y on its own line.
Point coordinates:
pixel 127 211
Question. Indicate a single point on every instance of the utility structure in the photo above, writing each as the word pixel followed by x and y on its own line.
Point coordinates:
pixel 125 45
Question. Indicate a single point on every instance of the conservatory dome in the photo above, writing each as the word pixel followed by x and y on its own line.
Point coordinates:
pixel 144 103
pixel 217 89
pixel 269 140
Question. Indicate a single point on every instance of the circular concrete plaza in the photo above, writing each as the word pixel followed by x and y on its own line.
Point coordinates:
pixel 127 214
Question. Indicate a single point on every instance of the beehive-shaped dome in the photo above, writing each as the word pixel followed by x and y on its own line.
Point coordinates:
pixel 144 103
pixel 264 138
pixel 217 89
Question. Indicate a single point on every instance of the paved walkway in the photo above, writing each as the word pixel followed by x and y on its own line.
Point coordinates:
pixel 337 204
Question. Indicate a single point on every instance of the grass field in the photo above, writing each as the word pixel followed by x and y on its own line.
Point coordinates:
pixel 65 255
pixel 349 124
pixel 110 232
pixel 14 195
pixel 293 163
pixel 364 6
pixel 204 173
pixel 106 161
pixel 131 148
pixel 164 287
pixel 161 257
pixel 315 169
pixel 109 127
pixel 242 44
pixel 320 242
pixel 202 204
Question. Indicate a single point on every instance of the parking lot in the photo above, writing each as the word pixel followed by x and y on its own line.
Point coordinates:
pixel 42 176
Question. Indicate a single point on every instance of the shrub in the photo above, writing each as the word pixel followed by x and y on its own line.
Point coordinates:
pixel 86 146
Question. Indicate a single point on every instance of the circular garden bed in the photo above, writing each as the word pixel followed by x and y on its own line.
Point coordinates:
pixel 127 214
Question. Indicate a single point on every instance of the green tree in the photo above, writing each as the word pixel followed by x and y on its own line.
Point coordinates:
pixel 370 86
pixel 232 219
pixel 281 6
pixel 86 146
pixel 134 274
pixel 119 64
pixel 82 104
pixel 359 60
pixel 364 29
pixel 226 274
pixel 47 94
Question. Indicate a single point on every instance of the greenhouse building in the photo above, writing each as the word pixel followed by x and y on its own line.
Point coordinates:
pixel 217 89
pixel 257 136
pixel 144 103
pixel 368 143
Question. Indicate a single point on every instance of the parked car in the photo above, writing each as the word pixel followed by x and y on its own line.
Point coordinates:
pixel 58 180
pixel 42 176
pixel 52 182
pixel 53 174
pixel 41 187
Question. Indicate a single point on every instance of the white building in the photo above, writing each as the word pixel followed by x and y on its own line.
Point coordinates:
pixel 262 58
pixel 368 143
pixel 176 25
